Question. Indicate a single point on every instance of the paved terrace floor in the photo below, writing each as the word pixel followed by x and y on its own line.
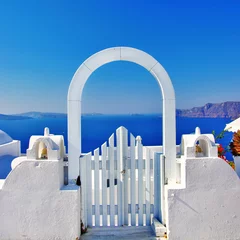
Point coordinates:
pixel 115 233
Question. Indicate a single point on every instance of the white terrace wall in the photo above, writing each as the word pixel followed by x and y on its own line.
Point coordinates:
pixel 34 204
pixel 208 208
pixel 206 204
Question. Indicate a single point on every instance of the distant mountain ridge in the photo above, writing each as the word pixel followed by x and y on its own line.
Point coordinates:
pixel 13 117
pixel 209 110
pixel 42 115
pixel 212 110
pixel 50 114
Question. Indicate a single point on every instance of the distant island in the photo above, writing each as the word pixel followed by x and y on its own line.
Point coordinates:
pixel 209 110
pixel 212 110
pixel 42 115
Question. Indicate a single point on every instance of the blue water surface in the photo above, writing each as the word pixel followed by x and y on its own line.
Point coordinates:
pixel 97 129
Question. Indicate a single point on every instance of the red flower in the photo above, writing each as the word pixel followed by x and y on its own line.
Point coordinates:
pixel 221 151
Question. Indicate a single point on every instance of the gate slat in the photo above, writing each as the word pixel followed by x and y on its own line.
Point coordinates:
pixel 82 173
pixel 104 184
pixel 133 180
pixel 140 181
pixel 111 159
pixel 89 188
pixel 148 188
pixel 124 152
pixel 156 179
pixel 96 187
pixel 119 180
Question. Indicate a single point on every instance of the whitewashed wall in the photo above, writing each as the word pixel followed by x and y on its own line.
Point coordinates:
pixel 205 203
pixel 34 203
pixel 208 208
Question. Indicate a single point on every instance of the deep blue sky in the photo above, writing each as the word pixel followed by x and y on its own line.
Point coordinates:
pixel 42 43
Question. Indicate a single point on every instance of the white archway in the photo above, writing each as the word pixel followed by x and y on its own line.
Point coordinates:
pixel 75 94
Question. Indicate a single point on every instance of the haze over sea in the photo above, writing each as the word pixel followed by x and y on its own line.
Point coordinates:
pixel 96 129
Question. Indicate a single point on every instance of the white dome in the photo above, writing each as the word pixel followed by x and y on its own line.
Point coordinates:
pixel 4 138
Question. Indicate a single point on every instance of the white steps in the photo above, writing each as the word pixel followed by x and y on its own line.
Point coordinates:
pixel 120 233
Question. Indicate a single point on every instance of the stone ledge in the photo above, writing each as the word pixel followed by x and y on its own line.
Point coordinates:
pixel 159 229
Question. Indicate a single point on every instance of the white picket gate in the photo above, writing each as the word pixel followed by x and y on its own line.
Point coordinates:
pixel 117 187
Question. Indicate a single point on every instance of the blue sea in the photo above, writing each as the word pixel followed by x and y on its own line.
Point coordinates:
pixel 96 129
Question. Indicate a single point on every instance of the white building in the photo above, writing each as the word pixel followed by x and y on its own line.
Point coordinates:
pixel 9 149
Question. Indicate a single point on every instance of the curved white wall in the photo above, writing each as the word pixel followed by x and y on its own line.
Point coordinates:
pixel 12 148
pixel 4 138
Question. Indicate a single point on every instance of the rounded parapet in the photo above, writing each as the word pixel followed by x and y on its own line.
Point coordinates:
pixel 198 145
pixel 48 146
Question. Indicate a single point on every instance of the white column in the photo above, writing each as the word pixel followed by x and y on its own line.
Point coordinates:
pixel 169 139
pixel 74 138
pixel 169 120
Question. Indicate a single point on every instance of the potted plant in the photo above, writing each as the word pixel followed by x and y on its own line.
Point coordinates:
pixel 235 150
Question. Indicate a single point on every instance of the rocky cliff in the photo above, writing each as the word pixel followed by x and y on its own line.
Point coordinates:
pixel 212 110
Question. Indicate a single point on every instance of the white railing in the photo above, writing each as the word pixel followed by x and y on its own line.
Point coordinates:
pixel 117 186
